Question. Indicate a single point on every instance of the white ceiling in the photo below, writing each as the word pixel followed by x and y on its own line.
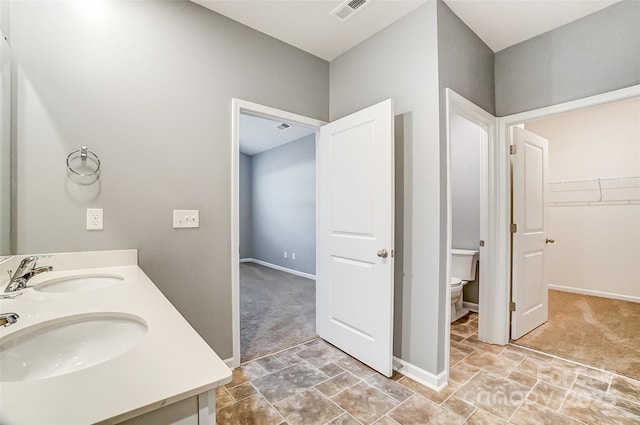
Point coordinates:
pixel 503 23
pixel 307 24
pixel 259 134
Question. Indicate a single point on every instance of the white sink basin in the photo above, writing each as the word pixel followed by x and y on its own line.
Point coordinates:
pixel 78 283
pixel 68 345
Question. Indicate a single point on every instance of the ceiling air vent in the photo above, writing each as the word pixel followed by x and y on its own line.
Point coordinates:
pixel 349 8
pixel 283 126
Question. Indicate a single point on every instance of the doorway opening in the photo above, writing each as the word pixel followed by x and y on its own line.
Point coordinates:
pixel 277 235
pixel 470 251
pixel 273 229
pixel 593 237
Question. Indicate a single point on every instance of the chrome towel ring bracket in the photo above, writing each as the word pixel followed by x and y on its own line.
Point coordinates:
pixel 84 155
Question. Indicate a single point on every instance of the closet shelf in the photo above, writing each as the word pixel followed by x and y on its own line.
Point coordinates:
pixel 616 190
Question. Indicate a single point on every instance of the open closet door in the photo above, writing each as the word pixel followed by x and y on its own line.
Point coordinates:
pixel 529 281
pixel 354 276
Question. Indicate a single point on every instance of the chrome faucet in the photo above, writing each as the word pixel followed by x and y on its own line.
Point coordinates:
pixel 26 270
pixel 7 319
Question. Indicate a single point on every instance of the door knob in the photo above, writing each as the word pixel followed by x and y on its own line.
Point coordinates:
pixel 383 253
pixel 549 240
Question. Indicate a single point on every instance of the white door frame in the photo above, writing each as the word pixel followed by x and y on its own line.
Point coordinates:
pixel 490 215
pixel 239 106
pixel 500 184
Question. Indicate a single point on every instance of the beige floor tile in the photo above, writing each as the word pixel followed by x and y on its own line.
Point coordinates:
pixel 385 420
pixel 623 404
pixel 522 379
pixel 223 399
pixel 253 410
pixel 547 395
pixel 288 381
pixel 499 366
pixel 320 354
pixel 531 413
pixel 473 342
pixel 336 384
pixel 625 388
pixel 389 387
pixel 418 411
pixel 331 369
pixel 496 395
pixel 244 373
pixel 364 402
pixel 482 417
pixel 355 367
pixel 270 364
pixel 590 386
pixel 435 396
pixel 592 411
pixel 458 406
pixel 462 329
pixel 242 391
pixel 308 408
pixel 344 419
pixel 288 359
pixel 548 372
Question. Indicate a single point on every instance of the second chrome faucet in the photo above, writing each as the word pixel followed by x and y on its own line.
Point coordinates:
pixel 26 270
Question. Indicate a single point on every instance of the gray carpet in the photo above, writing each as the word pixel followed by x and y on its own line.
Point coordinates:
pixel 277 310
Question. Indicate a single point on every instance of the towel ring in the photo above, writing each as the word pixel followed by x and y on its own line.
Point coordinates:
pixel 84 155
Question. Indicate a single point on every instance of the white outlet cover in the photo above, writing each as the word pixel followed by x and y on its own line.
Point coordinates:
pixel 95 220
pixel 186 218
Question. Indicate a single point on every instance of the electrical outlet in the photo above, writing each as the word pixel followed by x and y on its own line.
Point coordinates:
pixel 94 219
pixel 293 255
pixel 186 218
pixel 285 254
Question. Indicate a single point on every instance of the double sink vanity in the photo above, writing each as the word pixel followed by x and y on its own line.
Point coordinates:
pixel 94 341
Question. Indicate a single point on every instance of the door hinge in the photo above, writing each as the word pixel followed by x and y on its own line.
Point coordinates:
pixel 512 149
pixel 514 228
pixel 512 306
pixel 481 243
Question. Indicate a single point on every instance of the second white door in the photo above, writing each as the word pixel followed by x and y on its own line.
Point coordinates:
pixel 529 279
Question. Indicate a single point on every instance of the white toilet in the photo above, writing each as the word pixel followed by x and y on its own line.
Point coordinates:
pixel 463 270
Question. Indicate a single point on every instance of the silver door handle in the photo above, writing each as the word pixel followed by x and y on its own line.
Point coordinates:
pixel 383 253
pixel 549 240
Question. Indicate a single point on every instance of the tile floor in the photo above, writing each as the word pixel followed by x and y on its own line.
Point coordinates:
pixel 315 383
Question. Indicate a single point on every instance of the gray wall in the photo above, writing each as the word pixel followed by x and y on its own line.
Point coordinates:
pixel 596 54
pixel 465 65
pixel 245 196
pixel 284 205
pixel 400 62
pixel 465 192
pixel 148 87
pixel 465 183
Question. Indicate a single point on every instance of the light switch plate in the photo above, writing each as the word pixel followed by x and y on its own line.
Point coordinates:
pixel 186 218
pixel 94 219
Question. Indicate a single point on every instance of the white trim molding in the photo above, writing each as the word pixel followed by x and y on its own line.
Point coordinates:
pixel 277 267
pixel 435 382
pixel 593 293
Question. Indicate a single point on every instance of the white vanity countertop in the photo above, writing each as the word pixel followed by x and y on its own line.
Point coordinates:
pixel 171 362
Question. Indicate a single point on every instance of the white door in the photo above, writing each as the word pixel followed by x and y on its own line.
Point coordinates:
pixel 529 281
pixel 354 274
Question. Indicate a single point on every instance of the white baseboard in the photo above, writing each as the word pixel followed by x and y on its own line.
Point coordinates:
pixel 435 382
pixel 229 363
pixel 595 293
pixel 470 306
pixel 276 267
